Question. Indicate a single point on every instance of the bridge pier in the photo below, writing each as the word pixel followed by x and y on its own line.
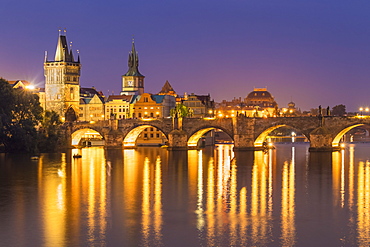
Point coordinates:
pixel 244 133
pixel 177 140
pixel 321 140
pixel 113 139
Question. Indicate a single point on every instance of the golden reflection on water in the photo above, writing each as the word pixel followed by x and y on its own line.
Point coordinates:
pixel 52 184
pixel 234 199
pixel 363 203
pixel 288 231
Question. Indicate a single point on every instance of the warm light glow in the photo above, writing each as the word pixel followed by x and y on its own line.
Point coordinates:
pixel 30 87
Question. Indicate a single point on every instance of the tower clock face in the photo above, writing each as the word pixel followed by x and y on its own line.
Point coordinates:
pixel 130 83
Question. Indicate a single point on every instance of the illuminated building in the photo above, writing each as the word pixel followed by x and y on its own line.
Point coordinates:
pixel 262 101
pixel 258 103
pixel 152 106
pixel 91 105
pixel 148 106
pixel 118 106
pixel 62 81
pixel 200 105
pixel 133 81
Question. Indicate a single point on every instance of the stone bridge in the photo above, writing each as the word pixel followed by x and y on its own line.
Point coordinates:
pixel 247 133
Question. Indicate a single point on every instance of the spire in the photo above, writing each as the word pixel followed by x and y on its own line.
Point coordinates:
pixel 62 52
pixel 133 62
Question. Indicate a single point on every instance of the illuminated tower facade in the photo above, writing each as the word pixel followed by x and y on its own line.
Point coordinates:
pixel 133 81
pixel 62 81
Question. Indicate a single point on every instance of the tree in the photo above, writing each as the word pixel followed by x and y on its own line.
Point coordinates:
pixel 339 110
pixel 180 111
pixel 49 132
pixel 20 113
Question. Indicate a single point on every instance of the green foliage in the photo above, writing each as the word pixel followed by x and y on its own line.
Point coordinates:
pixel 181 111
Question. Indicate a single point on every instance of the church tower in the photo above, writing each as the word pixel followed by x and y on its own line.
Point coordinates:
pixel 62 81
pixel 133 81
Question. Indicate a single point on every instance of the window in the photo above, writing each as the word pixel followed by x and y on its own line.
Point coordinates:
pixel 151 135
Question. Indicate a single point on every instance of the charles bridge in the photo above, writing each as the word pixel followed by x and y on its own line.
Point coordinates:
pixel 323 133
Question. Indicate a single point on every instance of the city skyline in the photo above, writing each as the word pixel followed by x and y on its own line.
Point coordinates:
pixel 312 53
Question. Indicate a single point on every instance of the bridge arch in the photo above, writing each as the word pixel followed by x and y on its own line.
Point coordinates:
pixel 339 136
pixel 196 135
pixel 131 137
pixel 88 133
pixel 262 136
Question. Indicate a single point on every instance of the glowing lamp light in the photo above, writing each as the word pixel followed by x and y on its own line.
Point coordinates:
pixel 342 145
pixel 30 87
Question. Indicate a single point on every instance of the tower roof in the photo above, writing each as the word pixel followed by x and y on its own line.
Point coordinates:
pixel 167 89
pixel 133 62
pixel 62 53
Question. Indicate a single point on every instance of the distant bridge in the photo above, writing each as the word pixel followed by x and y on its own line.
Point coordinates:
pixel 247 133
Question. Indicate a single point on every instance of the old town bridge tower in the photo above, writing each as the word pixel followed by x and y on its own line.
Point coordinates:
pixel 62 81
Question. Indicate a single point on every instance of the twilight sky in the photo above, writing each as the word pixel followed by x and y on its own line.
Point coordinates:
pixel 315 52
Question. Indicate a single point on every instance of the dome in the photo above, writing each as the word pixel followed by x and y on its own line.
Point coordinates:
pixel 291 104
pixel 260 97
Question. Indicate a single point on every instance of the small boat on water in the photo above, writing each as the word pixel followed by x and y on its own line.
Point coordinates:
pixel 75 156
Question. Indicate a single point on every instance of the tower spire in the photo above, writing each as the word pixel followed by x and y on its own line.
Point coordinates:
pixel 133 61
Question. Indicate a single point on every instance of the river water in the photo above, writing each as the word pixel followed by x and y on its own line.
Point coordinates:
pixel 211 197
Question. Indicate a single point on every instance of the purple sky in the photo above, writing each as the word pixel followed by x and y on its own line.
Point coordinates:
pixel 315 52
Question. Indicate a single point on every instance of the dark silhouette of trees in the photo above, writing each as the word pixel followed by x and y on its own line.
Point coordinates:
pixel 339 110
pixel 21 118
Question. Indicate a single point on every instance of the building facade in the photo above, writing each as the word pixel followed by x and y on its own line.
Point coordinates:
pixel 118 107
pixel 200 105
pixel 91 105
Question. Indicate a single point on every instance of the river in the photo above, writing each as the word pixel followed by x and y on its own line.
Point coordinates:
pixel 149 196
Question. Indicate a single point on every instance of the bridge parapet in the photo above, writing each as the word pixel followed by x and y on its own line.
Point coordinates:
pixel 247 133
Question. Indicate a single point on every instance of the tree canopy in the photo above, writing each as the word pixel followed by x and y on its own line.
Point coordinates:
pixel 21 117
pixel 339 110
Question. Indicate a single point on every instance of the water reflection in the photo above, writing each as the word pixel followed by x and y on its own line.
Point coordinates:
pixel 211 197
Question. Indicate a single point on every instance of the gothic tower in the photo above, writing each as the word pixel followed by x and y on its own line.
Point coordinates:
pixel 133 81
pixel 62 81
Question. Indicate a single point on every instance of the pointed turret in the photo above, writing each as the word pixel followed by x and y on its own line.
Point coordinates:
pixel 62 53
pixel 133 62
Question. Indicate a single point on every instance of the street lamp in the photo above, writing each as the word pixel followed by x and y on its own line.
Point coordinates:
pixel 367 110
pixel 361 109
